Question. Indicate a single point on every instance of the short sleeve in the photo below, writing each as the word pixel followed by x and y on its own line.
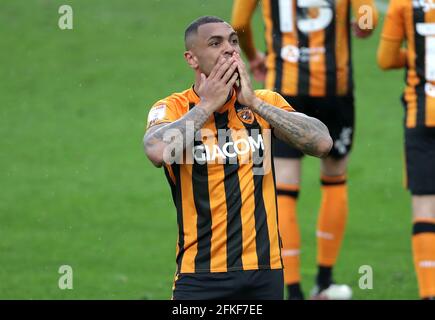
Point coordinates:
pixel 163 111
pixel 281 103
pixel 394 25
pixel 274 99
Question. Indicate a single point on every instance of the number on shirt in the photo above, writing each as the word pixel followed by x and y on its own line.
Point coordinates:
pixel 305 24
pixel 427 30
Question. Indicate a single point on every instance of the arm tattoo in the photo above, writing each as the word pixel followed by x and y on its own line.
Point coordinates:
pixel 198 116
pixel 294 128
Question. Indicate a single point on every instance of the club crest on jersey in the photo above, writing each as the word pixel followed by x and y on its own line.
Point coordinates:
pixel 245 115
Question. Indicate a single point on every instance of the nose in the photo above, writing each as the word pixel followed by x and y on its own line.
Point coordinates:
pixel 228 50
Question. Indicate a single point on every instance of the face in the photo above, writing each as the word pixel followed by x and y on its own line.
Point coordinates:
pixel 213 41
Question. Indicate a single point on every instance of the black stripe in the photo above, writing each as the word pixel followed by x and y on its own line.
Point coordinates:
pixel 420 44
pixel 201 198
pixel 420 49
pixel 330 58
pixel 332 183
pixel 421 105
pixel 422 227
pixel 172 185
pixel 277 44
pixel 179 207
pixel 291 193
pixel 262 231
pixel 303 66
pixel 191 105
pixel 276 198
pixel 233 196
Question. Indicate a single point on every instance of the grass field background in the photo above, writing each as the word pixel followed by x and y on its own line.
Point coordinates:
pixel 76 188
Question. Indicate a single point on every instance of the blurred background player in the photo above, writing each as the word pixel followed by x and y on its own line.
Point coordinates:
pixel 309 62
pixel 414 22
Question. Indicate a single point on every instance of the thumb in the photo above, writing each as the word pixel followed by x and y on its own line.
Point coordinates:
pixel 203 78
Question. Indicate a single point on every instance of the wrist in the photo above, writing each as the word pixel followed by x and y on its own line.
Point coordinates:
pixel 255 104
pixel 206 105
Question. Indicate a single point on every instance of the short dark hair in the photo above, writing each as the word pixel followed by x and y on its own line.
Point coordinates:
pixel 194 25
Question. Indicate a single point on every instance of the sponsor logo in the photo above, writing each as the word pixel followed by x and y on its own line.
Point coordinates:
pixel 212 152
pixel 294 54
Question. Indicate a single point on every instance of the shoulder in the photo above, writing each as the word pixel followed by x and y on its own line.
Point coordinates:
pixel 178 100
pixel 168 109
pixel 267 95
pixel 271 97
pixel 274 98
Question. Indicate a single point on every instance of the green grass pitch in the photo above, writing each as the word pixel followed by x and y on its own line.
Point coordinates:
pixel 76 188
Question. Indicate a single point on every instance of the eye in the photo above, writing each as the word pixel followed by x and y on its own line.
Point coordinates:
pixel 214 44
pixel 235 41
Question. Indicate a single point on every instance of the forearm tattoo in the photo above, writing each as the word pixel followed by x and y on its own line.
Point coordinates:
pixel 197 116
pixel 299 130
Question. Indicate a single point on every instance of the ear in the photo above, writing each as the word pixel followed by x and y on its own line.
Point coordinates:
pixel 191 59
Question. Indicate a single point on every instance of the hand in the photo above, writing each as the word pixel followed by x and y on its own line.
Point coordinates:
pixel 245 93
pixel 258 67
pixel 214 89
pixel 360 33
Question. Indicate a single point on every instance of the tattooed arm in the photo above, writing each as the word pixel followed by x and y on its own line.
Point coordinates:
pixel 305 133
pixel 155 142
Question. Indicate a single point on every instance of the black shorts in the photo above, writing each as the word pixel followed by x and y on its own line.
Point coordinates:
pixel 233 285
pixel 420 160
pixel 336 112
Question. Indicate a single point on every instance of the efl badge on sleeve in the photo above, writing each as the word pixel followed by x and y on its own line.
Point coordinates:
pixel 156 114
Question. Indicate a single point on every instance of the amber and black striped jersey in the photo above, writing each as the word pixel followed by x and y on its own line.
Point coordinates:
pixel 225 196
pixel 413 22
pixel 308 43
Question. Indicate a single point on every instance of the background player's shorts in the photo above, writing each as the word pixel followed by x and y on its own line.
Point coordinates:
pixel 420 160
pixel 336 112
pixel 233 285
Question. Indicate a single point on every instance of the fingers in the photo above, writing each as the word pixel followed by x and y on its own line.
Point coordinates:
pixel 244 77
pixel 217 67
pixel 241 66
pixel 224 68
pixel 232 81
pixel 230 72
pixel 202 79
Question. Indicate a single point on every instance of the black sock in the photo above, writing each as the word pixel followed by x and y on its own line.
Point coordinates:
pixel 294 292
pixel 324 277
